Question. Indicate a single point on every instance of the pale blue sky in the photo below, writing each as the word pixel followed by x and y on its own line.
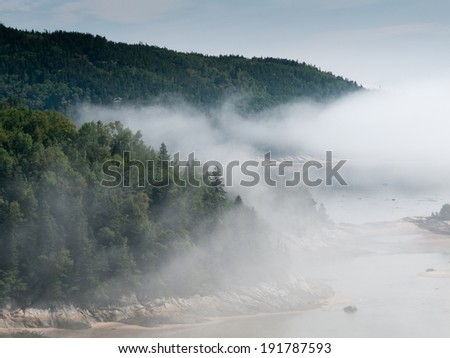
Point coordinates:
pixel 375 42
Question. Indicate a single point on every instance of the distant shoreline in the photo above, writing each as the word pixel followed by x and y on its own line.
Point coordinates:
pixel 435 274
pixel 431 224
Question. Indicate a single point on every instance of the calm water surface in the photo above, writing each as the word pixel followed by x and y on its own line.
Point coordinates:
pixel 392 299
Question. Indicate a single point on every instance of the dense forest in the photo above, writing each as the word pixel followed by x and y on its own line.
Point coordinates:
pixel 60 69
pixel 66 238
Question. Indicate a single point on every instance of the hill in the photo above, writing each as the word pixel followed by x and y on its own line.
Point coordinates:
pixel 59 69
pixel 68 237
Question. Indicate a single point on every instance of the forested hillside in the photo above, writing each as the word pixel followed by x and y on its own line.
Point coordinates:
pixel 65 238
pixel 60 69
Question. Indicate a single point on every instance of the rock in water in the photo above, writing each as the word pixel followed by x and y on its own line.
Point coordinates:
pixel 350 309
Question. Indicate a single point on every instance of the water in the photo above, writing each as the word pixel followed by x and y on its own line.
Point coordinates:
pixel 381 280
pixel 374 266
pixel 385 204
pixel 392 299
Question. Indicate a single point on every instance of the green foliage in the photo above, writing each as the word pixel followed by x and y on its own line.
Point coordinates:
pixel 444 213
pixel 64 238
pixel 60 69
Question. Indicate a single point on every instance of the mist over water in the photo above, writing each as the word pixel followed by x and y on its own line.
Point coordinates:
pixel 362 257
pixel 395 143
pixel 396 147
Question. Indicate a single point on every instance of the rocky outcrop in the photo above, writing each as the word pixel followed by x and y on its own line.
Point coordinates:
pixel 350 309
pixel 267 297
pixel 65 317
pixel 431 224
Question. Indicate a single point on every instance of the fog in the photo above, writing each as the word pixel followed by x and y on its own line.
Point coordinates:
pixel 395 143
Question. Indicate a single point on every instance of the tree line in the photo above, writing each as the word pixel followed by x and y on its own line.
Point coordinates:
pixel 57 70
pixel 64 238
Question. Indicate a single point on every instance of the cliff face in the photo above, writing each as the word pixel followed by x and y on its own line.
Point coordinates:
pixel 270 297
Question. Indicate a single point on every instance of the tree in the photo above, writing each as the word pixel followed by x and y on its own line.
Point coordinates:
pixel 444 214
pixel 66 239
pixel 214 194
pixel 56 70
pixel 159 175
pixel 238 201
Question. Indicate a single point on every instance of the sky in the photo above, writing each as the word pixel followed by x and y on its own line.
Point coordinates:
pixel 378 43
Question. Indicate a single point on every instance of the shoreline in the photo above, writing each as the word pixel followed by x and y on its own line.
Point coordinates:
pixel 212 312
pixel 266 298
pixel 435 274
pixel 122 330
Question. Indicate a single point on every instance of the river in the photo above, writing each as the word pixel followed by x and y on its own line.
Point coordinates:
pixel 382 280
pixel 380 268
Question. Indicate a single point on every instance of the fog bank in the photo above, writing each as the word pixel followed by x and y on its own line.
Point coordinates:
pixel 395 143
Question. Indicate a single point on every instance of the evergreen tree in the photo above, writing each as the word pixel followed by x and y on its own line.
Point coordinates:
pixel 95 70
pixel 64 238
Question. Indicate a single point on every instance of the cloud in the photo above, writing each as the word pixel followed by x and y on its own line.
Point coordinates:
pixel 388 32
pixel 325 4
pixel 15 5
pixel 117 11
pixel 344 4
